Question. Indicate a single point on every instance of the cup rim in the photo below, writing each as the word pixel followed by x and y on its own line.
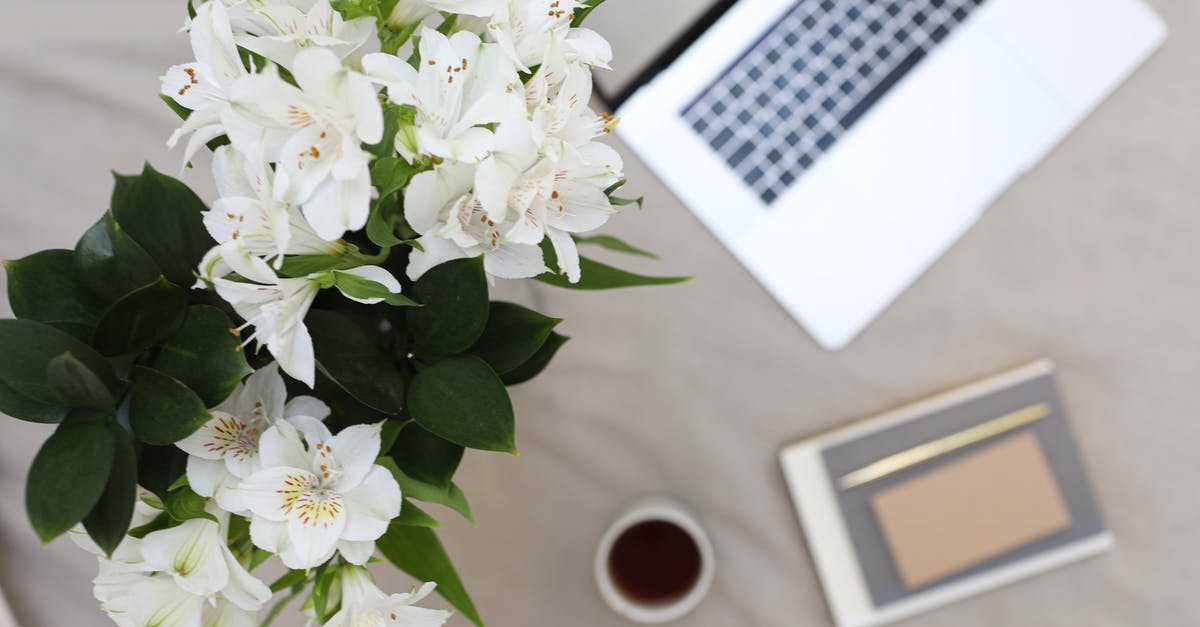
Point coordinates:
pixel 647 509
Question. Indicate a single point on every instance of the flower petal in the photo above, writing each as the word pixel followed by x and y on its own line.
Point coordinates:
pixel 191 553
pixel 354 449
pixel 372 505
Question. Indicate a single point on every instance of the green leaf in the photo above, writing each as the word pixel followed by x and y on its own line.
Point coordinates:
pixel 356 361
pixel 413 516
pixel 46 287
pixel 389 433
pixel 110 263
pixel 303 265
pixel 582 12
pixel 536 364
pixel 289 579
pixel 68 476
pixel 164 216
pixel 109 519
pixel 160 522
pixel 162 410
pixel 29 348
pixel 599 276
pixel 361 287
pixel 391 174
pixel 386 146
pixel 425 456
pixel 24 408
pixel 141 319
pixel 159 467
pixel 184 504
pixel 418 552
pixel 615 244
pixel 205 355
pixel 513 335
pixel 77 386
pixel 462 400
pixel 455 299
pixel 451 497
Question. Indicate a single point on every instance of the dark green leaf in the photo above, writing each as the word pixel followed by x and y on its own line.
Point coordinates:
pixel 68 476
pixel 413 516
pixel 164 216
pixel 160 522
pixel 455 299
pixel 77 386
pixel 28 349
pixel 184 504
pixel 418 552
pixel 205 355
pixel 451 497
pixel 513 335
pixel 159 467
pixel 425 456
pixel 356 361
pixel 615 244
pixel 462 400
pixel 110 263
pixel 141 319
pixel 391 174
pixel 22 407
pixel 325 604
pixel 289 579
pixel 304 265
pixel 46 287
pixel 599 276
pixel 386 146
pixel 536 364
pixel 162 410
pixel 109 519
pixel 360 287
pixel 391 431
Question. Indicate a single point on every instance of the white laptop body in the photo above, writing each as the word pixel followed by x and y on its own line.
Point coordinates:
pixel 840 241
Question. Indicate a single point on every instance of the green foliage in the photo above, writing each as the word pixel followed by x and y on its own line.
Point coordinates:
pixel 184 504
pixel 413 516
pixel 68 475
pixel 451 497
pixel 77 386
pixel 352 358
pixel 110 263
pixel 164 216
pixel 47 287
pixel 360 287
pixel 536 364
pixel 28 349
pixel 582 13
pixel 599 276
pixel 462 400
pixel 425 456
pixel 205 355
pixel 614 244
pixel 512 336
pixel 162 410
pixel 455 299
pixel 109 519
pixel 418 552
pixel 143 318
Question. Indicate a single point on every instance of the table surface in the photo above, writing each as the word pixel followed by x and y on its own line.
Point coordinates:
pixel 1090 260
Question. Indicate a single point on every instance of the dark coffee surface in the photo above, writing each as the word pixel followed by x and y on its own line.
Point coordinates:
pixel 654 562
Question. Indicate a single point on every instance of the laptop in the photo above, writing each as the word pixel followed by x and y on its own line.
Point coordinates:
pixel 839 147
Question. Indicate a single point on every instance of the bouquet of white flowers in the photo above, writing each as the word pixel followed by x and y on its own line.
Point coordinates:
pixel 378 164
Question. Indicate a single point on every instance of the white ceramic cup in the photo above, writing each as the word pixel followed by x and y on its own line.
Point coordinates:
pixel 645 510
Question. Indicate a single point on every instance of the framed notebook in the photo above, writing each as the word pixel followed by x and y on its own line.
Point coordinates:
pixel 944 498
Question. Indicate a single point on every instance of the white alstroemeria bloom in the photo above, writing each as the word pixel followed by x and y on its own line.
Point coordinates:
pixel 195 556
pixel 133 599
pixel 577 203
pixel 441 205
pixel 314 134
pixel 203 86
pixel 365 605
pixel 225 449
pixel 558 106
pixel 279 31
pixel 462 83
pixel 319 493
pixel 250 225
pixel 527 29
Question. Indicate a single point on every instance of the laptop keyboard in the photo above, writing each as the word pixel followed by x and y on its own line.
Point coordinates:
pixel 787 100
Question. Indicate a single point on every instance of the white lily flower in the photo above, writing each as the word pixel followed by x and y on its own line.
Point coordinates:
pixel 195 555
pixel 578 203
pixel 527 29
pixel 225 449
pixel 314 133
pixel 365 605
pixel 250 225
pixel 276 311
pixel 155 600
pixel 441 205
pixel 319 493
pixel 279 30
pixel 462 83
pixel 203 86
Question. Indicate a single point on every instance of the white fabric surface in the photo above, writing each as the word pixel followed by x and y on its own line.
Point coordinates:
pixel 1090 260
